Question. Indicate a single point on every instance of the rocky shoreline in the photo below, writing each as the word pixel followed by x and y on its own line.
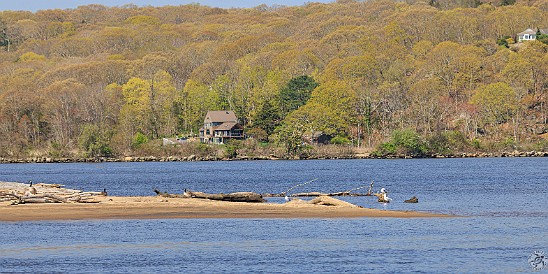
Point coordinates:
pixel 193 158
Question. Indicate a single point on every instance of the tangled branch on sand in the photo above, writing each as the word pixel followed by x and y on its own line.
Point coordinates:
pixel 19 193
pixel 317 194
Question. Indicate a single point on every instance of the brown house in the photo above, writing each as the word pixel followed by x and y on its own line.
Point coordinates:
pixel 220 126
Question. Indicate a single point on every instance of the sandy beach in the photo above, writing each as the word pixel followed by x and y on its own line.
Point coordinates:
pixel 92 205
pixel 154 207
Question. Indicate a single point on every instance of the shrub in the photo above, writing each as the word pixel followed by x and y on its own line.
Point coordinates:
pixel 503 41
pixel 31 56
pixel 231 149
pixel 509 143
pixel 203 149
pixel 339 140
pixel 332 152
pixel 56 150
pixel 447 142
pixel 406 142
pixel 139 139
pixel 384 149
pixel 540 145
pixel 476 144
pixel 439 143
pixel 95 142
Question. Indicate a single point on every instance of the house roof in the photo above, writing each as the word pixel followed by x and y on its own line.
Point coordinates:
pixel 531 31
pixel 527 31
pixel 220 116
pixel 227 126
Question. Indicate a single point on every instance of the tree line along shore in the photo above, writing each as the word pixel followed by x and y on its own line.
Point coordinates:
pixel 193 158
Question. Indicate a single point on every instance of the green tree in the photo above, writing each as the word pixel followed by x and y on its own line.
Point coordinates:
pixel 196 100
pixel 503 41
pixel 135 111
pixel 543 38
pixel 3 34
pixel 339 140
pixel 268 118
pixel 339 97
pixel 299 126
pixel 296 93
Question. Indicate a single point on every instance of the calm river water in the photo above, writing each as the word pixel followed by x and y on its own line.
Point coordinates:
pixel 504 201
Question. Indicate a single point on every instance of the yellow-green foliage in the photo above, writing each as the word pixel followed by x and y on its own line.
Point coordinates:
pixel 498 101
pixel 143 19
pixel 31 56
pixel 379 66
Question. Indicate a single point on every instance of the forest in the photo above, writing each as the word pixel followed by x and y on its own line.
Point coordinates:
pixel 381 76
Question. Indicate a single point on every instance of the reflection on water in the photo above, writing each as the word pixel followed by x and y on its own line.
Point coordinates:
pixel 505 202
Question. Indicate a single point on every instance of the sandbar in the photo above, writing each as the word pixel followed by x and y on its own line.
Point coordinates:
pixel 155 207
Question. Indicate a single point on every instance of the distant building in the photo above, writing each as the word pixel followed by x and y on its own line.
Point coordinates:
pixel 221 126
pixel 319 137
pixel 530 34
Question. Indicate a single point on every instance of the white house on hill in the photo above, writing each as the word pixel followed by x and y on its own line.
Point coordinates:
pixel 530 34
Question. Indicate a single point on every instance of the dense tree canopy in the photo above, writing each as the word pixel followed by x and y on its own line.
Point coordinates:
pixel 100 80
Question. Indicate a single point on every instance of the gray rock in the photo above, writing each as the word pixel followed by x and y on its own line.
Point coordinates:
pixel 413 200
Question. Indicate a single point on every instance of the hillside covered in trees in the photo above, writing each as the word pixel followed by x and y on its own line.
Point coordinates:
pixel 391 77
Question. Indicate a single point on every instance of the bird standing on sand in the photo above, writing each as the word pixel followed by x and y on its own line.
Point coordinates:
pixel 383 196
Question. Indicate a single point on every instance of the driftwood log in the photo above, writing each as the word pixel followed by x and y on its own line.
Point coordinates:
pixel 328 201
pixel 167 195
pixel 249 197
